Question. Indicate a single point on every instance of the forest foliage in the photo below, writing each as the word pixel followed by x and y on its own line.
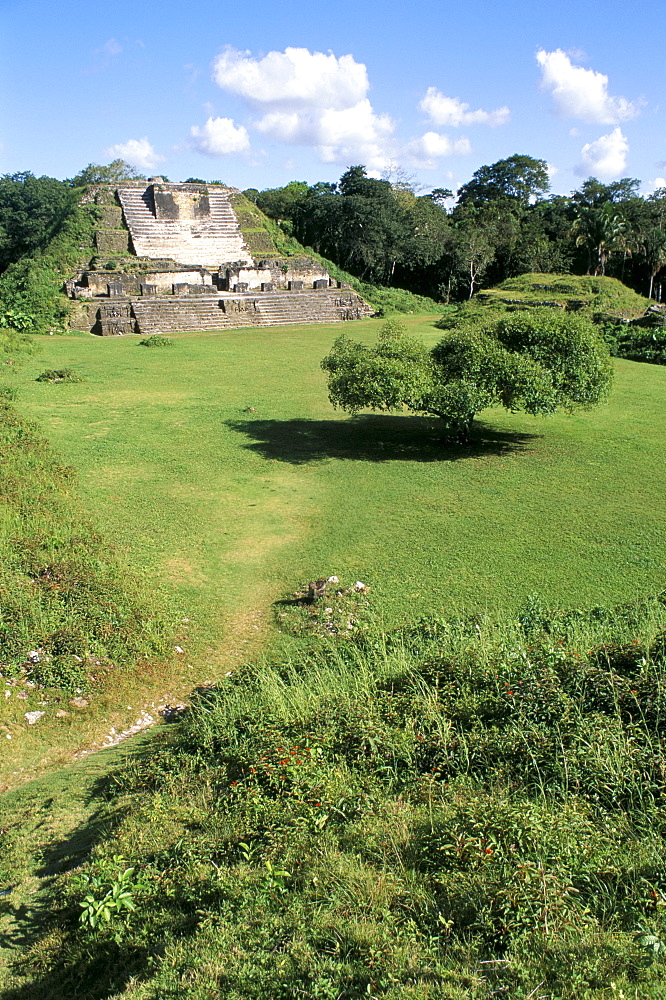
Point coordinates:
pixel 502 223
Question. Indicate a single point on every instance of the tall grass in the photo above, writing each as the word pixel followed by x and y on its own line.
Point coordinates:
pixel 457 808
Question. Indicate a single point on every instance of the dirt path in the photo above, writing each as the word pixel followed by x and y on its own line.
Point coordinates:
pixel 50 822
pixel 51 809
pixel 33 752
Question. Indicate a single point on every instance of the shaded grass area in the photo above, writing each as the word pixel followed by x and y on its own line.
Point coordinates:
pixel 460 808
pixel 49 827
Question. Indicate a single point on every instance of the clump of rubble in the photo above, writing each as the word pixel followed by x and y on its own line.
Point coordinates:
pixel 324 607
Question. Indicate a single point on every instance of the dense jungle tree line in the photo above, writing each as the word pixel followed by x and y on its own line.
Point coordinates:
pixel 503 223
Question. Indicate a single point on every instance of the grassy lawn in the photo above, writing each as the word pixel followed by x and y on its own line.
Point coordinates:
pixel 222 472
pixel 224 477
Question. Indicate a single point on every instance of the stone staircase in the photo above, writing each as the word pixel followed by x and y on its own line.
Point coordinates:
pixel 166 314
pixel 205 242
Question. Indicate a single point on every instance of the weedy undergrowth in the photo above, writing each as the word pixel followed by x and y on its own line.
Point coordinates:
pixel 456 807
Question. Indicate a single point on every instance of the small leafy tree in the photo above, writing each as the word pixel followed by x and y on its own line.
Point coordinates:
pixel 538 362
pixel 114 173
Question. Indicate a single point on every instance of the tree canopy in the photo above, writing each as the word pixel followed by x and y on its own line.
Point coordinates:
pixel 31 211
pixel 519 178
pixel 532 361
pixel 358 223
pixel 503 224
pixel 113 173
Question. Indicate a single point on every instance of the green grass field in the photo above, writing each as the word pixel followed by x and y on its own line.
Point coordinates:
pixel 226 478
pixel 223 476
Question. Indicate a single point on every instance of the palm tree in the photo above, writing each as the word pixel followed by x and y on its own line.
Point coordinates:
pixel 653 249
pixel 603 231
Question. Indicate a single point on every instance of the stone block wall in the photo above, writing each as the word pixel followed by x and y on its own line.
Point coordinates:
pixel 180 201
pixel 253 277
pixel 115 319
pixel 288 269
pixel 111 235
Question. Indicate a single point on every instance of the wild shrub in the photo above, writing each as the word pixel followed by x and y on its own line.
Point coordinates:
pixel 643 344
pixel 67 672
pixel 59 375
pixel 156 340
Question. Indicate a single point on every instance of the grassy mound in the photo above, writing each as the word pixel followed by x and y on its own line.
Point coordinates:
pixel 33 284
pixel 457 807
pixel 262 235
pixel 594 296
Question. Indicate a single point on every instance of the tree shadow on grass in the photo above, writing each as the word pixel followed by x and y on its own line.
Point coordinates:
pixel 102 972
pixel 373 438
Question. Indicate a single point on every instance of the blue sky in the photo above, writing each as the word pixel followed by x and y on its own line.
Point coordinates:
pixel 435 89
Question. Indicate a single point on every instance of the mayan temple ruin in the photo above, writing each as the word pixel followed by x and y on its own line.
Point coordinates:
pixel 173 257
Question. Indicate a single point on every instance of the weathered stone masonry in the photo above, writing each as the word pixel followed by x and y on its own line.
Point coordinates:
pixel 177 260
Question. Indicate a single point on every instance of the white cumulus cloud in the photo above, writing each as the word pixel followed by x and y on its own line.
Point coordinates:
pixel 220 137
pixel 310 99
pixel 338 134
pixel 356 133
pixel 111 48
pixel 582 93
pixel 606 157
pixel 320 100
pixel 443 110
pixel 138 152
pixel 425 151
pixel 295 78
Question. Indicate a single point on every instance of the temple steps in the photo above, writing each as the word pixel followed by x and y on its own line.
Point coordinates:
pixel 203 242
pixel 162 314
